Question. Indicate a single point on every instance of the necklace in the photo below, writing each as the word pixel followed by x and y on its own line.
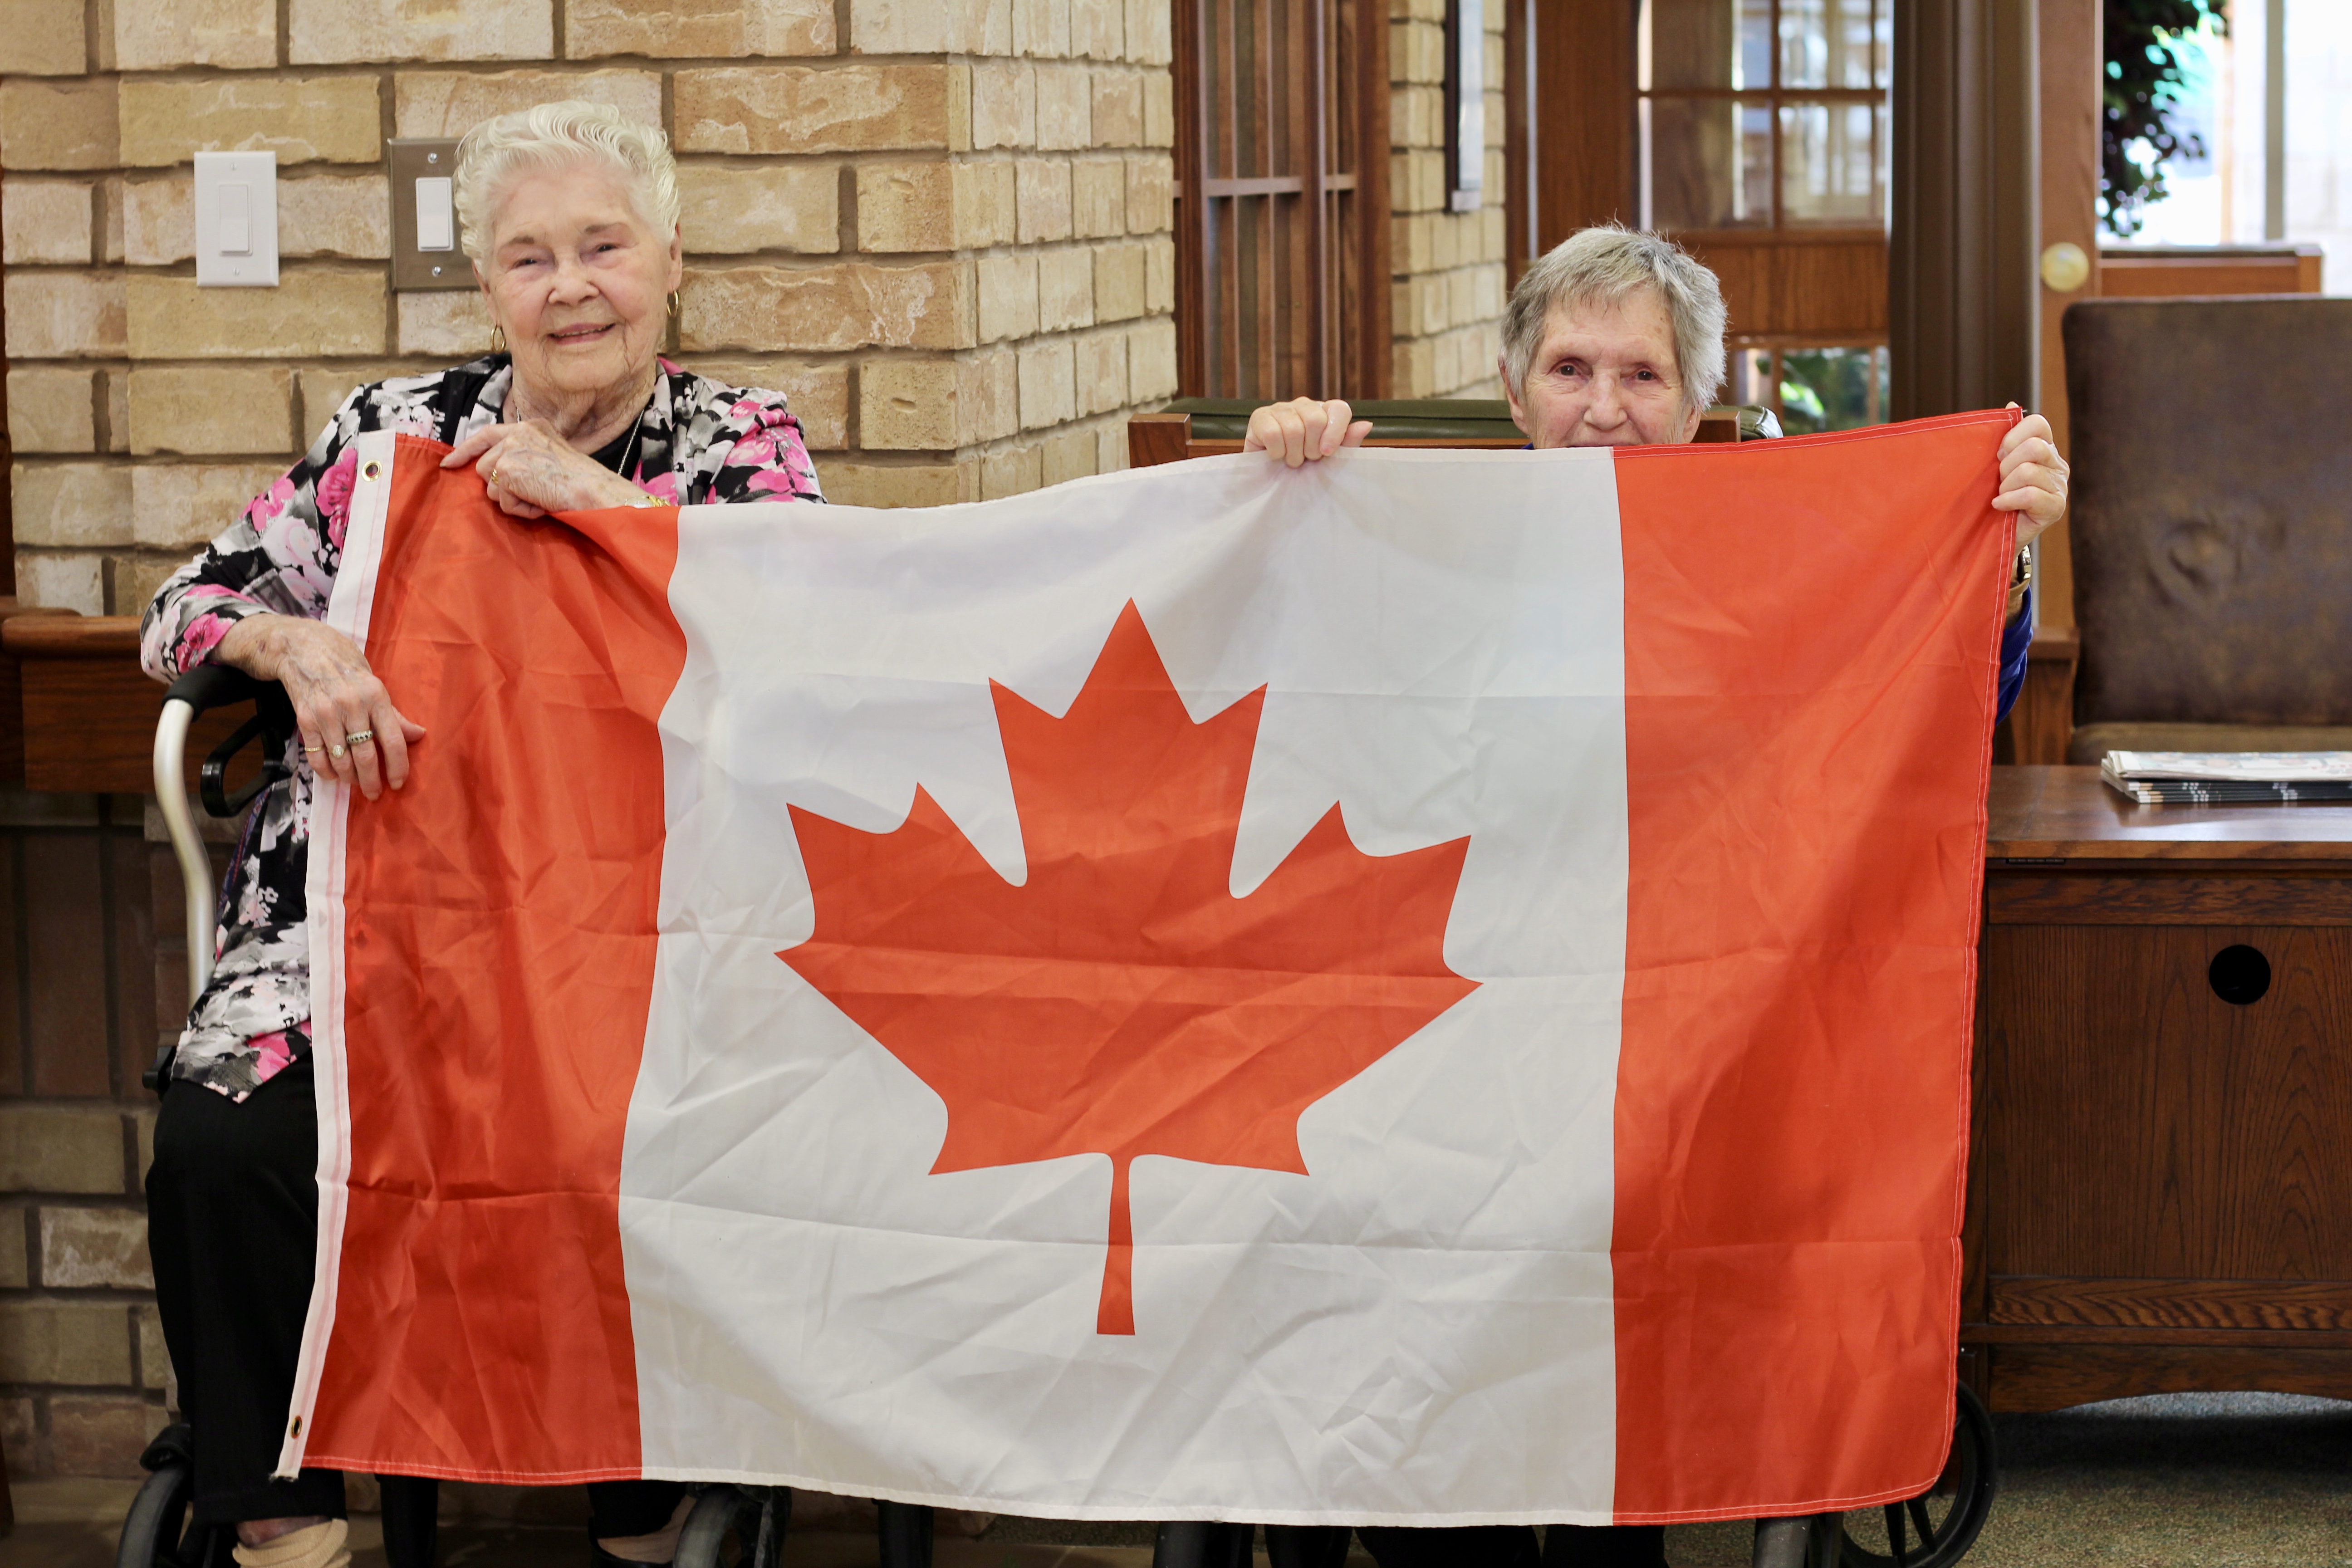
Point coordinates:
pixel 629 453
pixel 637 433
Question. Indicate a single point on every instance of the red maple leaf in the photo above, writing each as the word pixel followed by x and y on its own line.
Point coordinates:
pixel 1121 999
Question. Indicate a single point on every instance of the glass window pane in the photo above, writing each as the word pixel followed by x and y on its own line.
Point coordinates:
pixel 1832 158
pixel 1708 163
pixel 1706 43
pixel 1831 389
pixel 1829 43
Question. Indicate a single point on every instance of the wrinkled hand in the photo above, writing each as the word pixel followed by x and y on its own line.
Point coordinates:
pixel 1303 430
pixel 2032 478
pixel 530 471
pixel 335 695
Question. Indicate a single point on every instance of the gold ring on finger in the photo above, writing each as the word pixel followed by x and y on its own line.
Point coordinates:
pixel 360 738
pixel 336 750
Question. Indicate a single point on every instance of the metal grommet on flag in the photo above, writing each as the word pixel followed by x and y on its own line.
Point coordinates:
pixel 372 471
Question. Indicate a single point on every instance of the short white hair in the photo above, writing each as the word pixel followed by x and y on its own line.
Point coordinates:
pixel 549 135
pixel 1602 265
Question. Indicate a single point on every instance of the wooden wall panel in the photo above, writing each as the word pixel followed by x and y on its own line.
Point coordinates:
pixel 66 959
pixel 130 955
pixel 1830 289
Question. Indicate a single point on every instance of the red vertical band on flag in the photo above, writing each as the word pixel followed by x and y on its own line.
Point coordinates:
pixel 500 911
pixel 1811 637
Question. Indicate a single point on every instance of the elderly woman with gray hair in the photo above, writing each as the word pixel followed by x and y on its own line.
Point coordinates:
pixel 1613 339
pixel 569 213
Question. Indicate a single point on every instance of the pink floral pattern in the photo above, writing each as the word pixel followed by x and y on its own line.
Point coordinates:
pixel 697 443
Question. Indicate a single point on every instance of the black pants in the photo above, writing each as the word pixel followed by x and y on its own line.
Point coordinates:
pixel 232 1223
pixel 1470 1546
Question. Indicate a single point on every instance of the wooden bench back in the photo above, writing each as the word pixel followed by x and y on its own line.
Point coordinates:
pixel 1170 436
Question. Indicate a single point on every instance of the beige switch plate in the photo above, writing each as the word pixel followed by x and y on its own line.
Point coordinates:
pixel 407 162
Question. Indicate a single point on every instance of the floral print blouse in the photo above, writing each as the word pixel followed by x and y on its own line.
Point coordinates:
pixel 697 443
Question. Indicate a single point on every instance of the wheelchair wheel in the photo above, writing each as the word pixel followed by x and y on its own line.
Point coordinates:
pixel 735 1527
pixel 1937 1527
pixel 157 1532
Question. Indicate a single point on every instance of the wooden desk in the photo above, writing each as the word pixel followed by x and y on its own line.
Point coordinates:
pixel 2161 1183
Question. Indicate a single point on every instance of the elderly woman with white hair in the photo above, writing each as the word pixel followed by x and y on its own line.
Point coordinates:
pixel 569 213
pixel 1611 339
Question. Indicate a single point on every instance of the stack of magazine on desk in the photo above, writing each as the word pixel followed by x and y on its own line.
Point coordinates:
pixel 2226 778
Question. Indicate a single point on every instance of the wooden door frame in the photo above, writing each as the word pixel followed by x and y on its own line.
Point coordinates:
pixel 1579 74
pixel 1964 293
pixel 7 461
pixel 2072 65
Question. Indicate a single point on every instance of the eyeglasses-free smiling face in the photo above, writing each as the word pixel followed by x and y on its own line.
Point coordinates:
pixel 579 281
pixel 1606 375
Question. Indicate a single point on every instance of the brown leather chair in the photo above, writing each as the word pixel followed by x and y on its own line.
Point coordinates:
pixel 2212 524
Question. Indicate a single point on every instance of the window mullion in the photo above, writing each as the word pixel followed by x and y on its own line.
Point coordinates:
pixel 1772 110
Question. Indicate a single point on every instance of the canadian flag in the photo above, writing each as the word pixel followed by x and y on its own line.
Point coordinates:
pixel 1433 988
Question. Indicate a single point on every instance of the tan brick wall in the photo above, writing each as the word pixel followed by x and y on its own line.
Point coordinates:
pixel 944 228
pixel 1450 284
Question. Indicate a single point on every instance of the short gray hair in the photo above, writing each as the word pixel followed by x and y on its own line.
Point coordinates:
pixel 549 135
pixel 1602 265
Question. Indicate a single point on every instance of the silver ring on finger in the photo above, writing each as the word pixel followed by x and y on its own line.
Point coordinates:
pixel 360 738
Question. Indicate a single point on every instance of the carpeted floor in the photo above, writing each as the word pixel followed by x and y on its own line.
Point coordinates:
pixel 2191 1480
pixel 2183 1481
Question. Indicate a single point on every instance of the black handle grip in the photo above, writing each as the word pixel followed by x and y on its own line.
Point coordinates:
pixel 159 1073
pixel 212 686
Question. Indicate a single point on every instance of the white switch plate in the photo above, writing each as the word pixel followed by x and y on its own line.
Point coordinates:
pixel 436 221
pixel 236 220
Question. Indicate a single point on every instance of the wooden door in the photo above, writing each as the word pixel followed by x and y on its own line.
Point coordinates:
pixel 1282 198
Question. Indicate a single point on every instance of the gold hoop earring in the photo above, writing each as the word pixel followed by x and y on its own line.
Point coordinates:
pixel 673 301
pixel 498 340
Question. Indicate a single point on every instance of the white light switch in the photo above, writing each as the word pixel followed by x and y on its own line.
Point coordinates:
pixel 435 218
pixel 236 220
